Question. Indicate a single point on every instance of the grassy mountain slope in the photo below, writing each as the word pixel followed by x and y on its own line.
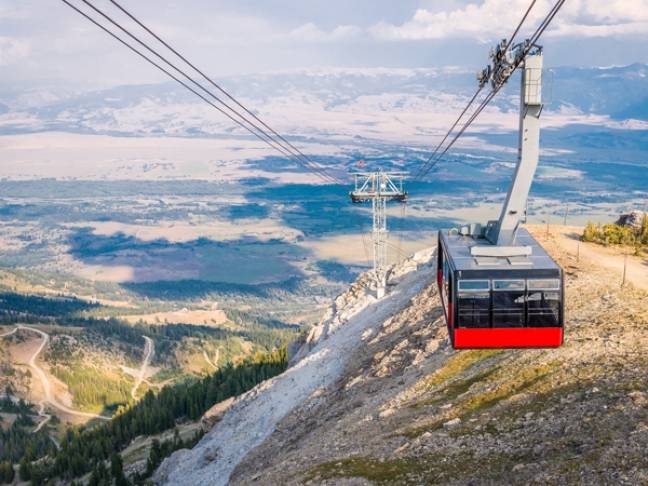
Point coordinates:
pixel 409 410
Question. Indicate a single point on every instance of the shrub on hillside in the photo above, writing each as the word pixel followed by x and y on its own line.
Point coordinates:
pixel 643 236
pixel 616 234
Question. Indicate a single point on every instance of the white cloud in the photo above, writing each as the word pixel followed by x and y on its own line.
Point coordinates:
pixel 12 50
pixel 602 18
pixel 310 32
pixel 492 19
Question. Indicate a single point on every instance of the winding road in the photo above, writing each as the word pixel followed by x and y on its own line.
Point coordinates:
pixel 149 350
pixel 47 388
pixel 41 413
pixel 13 331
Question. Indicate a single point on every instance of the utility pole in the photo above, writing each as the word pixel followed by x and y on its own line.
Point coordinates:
pixel 379 187
pixel 578 251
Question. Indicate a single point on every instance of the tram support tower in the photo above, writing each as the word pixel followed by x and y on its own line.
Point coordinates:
pixel 379 187
pixel 502 233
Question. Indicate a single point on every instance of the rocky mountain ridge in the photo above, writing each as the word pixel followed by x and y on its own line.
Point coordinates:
pixel 379 397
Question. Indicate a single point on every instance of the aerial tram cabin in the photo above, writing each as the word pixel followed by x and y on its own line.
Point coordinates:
pixel 499 302
pixel 498 286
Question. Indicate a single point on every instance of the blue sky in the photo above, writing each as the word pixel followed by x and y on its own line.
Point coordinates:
pixel 44 42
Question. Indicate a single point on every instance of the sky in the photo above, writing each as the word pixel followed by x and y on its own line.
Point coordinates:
pixel 44 42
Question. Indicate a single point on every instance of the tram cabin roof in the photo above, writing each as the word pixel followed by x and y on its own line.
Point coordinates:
pixel 539 263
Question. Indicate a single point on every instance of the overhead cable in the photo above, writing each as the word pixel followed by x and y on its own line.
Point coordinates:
pixel 528 46
pixel 234 116
pixel 424 166
pixel 208 79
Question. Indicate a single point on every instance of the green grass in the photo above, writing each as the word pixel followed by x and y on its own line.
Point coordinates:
pixel 380 472
pixel 436 468
pixel 456 388
pixel 93 391
pixel 456 364
pixel 506 384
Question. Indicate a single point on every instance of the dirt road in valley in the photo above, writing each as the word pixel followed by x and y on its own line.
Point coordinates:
pixel 41 413
pixel 47 388
pixel 41 407
pixel 13 331
pixel 149 350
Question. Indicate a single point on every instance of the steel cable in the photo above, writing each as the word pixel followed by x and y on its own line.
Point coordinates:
pixel 423 168
pixel 260 134
pixel 210 80
pixel 517 29
pixel 531 43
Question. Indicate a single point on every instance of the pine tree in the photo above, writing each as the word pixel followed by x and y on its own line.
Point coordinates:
pixel 117 470
pixel 10 474
pixel 6 472
pixel 100 476
pixel 177 441
pixel 25 469
pixel 155 457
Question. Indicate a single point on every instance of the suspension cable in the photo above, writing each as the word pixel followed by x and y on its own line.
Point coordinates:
pixel 260 134
pixel 531 43
pixel 304 161
pixel 517 29
pixel 115 36
pixel 424 166
pixel 208 79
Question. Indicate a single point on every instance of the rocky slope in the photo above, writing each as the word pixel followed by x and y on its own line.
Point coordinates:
pixel 379 397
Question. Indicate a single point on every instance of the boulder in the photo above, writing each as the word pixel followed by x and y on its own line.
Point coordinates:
pixel 452 423
pixel 634 219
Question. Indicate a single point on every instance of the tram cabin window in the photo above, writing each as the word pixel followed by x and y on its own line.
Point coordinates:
pixel 509 303
pixel 543 303
pixel 474 303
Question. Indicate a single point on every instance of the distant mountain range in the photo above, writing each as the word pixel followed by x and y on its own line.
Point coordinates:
pixel 323 102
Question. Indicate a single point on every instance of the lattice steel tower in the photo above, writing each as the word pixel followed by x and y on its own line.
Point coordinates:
pixel 379 187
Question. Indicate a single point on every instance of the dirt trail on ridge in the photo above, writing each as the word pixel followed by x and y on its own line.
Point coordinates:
pixel 149 350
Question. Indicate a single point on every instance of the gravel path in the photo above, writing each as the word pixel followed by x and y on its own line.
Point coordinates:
pixel 42 376
pixel 609 258
pixel 149 350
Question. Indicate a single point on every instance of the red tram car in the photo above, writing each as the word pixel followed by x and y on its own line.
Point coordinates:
pixel 500 302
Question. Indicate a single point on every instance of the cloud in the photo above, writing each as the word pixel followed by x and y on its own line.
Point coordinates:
pixel 241 36
pixel 12 50
pixel 492 19
pixel 601 18
pixel 310 32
